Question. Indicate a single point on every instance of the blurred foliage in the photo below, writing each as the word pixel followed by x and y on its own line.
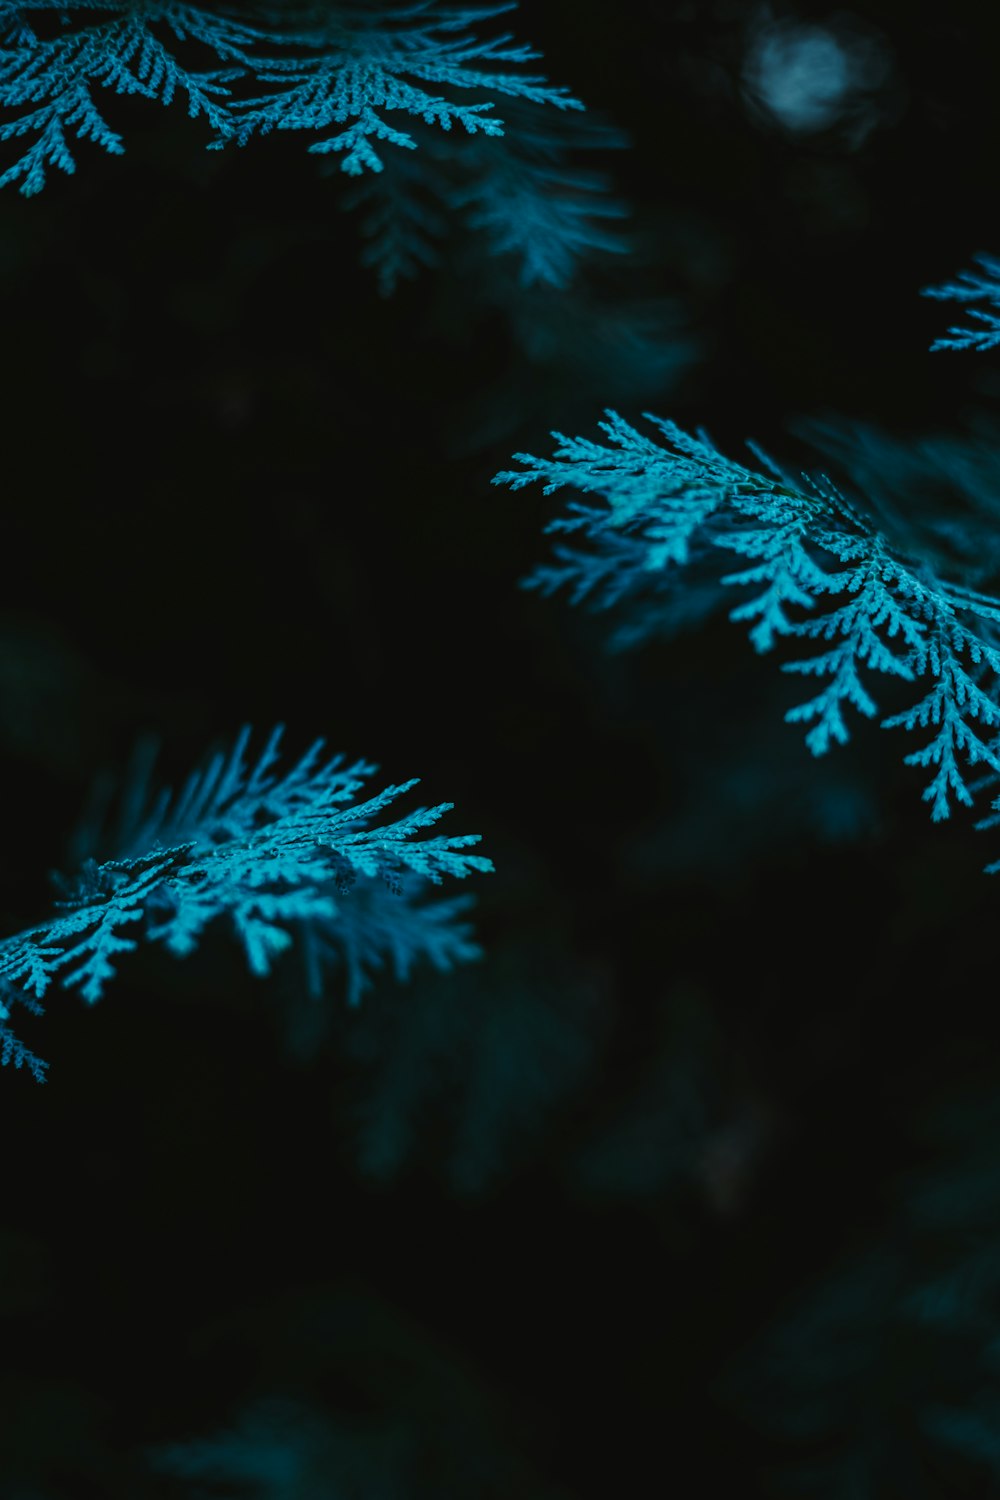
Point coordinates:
pixel 242 486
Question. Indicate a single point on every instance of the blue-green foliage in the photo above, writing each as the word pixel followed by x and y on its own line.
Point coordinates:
pixel 535 204
pixel 978 285
pixel 283 1450
pixel 814 569
pixel 48 82
pixel 321 67
pixel 355 67
pixel 527 198
pixel 355 80
pixel 285 855
pixel 12 1049
pixel 939 491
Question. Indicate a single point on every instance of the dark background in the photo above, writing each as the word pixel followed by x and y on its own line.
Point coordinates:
pixel 241 487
